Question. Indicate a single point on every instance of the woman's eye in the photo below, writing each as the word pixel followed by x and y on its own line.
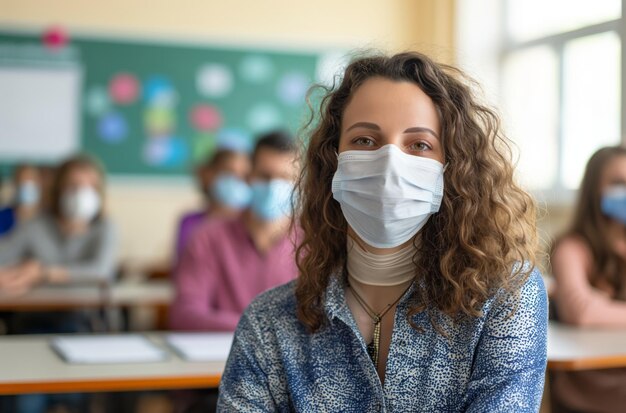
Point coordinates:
pixel 420 146
pixel 363 141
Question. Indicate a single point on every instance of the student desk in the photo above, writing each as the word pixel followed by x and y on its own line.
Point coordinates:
pixel 569 348
pixel 576 348
pixel 29 365
pixel 120 294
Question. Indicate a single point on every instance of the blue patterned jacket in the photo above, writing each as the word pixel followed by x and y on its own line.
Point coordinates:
pixel 494 363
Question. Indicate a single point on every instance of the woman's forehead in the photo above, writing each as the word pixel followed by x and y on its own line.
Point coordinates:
pixel 389 102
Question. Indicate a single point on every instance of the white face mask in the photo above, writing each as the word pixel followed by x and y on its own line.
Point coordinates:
pixel 81 204
pixel 387 195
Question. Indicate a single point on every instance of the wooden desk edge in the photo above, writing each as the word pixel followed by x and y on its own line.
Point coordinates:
pixel 111 384
pixel 606 362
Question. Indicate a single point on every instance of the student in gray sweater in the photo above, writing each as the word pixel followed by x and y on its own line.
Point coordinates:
pixel 74 243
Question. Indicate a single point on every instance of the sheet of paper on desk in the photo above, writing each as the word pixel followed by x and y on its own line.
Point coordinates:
pixel 201 346
pixel 107 349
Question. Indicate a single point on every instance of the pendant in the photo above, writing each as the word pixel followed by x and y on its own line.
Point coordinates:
pixel 374 347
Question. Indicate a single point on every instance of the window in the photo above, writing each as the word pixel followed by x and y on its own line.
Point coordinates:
pixel 558 81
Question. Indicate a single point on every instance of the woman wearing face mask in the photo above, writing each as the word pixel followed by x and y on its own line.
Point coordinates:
pixel 27 198
pixel 222 180
pixel 416 288
pixel 74 243
pixel 589 267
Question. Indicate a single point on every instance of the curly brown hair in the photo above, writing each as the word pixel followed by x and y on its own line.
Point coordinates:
pixel 482 239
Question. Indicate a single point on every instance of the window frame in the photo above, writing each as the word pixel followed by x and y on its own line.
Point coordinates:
pixel 559 194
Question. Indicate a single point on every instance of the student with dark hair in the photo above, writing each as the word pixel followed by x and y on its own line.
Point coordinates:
pixel 228 262
pixel 75 242
pixel 589 268
pixel 417 290
pixel 222 181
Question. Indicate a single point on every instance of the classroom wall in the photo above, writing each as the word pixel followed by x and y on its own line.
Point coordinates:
pixel 389 24
pixel 146 211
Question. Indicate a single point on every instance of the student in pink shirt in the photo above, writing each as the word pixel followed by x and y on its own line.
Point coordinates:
pixel 227 167
pixel 228 262
pixel 589 266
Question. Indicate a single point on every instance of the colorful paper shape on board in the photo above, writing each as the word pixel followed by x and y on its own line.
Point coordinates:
pixel 204 145
pixel 214 80
pixel 165 99
pixel 205 117
pixel 97 101
pixel 264 117
pixel 166 152
pixel 155 152
pixel 292 88
pixel 256 69
pixel 55 38
pixel 159 91
pixel 235 139
pixel 112 127
pixel 178 152
pixel 159 121
pixel 124 88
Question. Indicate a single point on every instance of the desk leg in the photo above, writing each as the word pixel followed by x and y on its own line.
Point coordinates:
pixel 162 314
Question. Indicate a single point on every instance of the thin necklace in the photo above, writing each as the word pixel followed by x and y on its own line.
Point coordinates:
pixel 373 348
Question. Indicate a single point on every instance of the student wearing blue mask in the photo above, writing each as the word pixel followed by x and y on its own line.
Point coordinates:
pixel 417 290
pixel 227 262
pixel 589 267
pixel 222 180
pixel 26 200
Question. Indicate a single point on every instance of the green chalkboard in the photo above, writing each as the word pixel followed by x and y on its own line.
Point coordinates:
pixel 154 108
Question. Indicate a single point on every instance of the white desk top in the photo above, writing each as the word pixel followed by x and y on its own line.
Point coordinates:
pixel 29 365
pixel 125 293
pixel 576 348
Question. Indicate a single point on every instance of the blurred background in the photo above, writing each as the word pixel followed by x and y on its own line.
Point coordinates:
pixel 151 87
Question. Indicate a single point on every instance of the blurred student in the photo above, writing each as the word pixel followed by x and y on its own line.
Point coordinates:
pixel 228 262
pixel 589 267
pixel 27 198
pixel 74 243
pixel 219 180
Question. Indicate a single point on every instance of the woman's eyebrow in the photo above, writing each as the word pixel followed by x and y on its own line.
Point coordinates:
pixel 373 126
pixel 367 125
pixel 419 129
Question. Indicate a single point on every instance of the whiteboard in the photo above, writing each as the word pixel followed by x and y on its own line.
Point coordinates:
pixel 39 112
